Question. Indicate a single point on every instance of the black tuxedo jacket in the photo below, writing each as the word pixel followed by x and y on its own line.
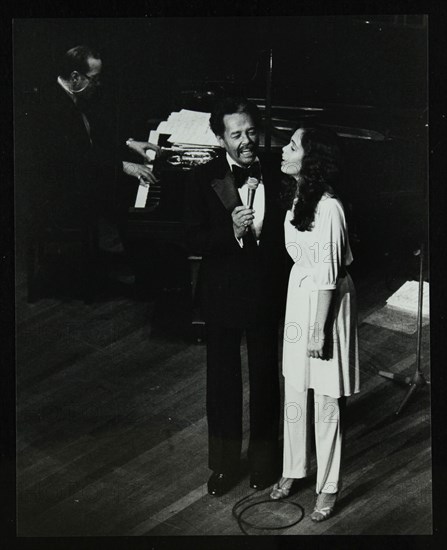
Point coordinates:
pixel 240 287
pixel 71 171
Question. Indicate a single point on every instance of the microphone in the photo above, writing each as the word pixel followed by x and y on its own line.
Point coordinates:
pixel 252 184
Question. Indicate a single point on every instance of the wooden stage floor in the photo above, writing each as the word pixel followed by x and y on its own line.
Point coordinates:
pixel 112 434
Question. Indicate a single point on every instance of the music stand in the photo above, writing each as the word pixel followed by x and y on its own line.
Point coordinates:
pixel 418 380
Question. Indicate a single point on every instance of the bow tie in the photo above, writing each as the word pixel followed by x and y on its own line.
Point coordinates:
pixel 242 174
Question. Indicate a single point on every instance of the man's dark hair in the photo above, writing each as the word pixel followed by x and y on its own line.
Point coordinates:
pixel 228 106
pixel 75 59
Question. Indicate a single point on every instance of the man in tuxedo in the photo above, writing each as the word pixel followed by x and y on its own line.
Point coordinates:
pixel 78 158
pixel 240 280
pixel 80 178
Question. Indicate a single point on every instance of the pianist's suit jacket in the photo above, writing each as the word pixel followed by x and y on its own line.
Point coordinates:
pixel 71 171
pixel 239 287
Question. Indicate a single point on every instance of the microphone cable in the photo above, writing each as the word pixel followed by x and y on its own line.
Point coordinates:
pixel 243 523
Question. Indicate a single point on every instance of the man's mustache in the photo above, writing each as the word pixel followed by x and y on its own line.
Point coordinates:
pixel 250 148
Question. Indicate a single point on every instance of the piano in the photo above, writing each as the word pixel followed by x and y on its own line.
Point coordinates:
pixel 156 217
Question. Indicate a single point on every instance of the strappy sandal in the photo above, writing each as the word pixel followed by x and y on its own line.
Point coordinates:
pixel 282 488
pixel 324 507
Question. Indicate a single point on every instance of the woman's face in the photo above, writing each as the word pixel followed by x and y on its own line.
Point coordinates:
pixel 292 155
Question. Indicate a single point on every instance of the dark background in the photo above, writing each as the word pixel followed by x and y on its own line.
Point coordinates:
pixel 377 61
pixel 365 73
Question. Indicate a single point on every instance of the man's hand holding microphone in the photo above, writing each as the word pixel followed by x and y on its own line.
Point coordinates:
pixel 243 216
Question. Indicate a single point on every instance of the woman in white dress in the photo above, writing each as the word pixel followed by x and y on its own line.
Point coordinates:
pixel 320 335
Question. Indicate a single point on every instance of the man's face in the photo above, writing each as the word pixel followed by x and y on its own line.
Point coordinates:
pixel 240 138
pixel 86 85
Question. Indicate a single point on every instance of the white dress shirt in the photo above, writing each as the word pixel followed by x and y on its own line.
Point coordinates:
pixel 258 204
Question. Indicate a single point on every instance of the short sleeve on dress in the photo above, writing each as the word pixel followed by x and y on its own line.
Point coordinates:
pixel 330 224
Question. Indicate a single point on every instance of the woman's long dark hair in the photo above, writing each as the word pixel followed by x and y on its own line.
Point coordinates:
pixel 320 172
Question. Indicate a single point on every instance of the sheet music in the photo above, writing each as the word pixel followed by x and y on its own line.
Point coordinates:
pixel 188 128
pixel 406 298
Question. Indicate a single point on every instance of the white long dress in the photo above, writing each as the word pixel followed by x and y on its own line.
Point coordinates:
pixel 320 257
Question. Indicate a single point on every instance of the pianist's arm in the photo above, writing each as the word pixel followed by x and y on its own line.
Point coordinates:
pixel 141 147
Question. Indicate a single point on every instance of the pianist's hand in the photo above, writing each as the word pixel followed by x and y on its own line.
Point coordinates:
pixel 141 147
pixel 139 171
pixel 242 218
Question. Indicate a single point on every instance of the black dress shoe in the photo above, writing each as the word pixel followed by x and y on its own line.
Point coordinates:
pixel 219 483
pixel 260 481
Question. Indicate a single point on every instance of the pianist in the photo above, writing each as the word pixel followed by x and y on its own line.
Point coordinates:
pixel 79 161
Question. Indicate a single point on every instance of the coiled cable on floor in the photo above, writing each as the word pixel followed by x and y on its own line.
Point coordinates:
pixel 237 514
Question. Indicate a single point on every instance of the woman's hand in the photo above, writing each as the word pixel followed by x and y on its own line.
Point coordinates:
pixel 315 343
pixel 316 340
pixel 141 147
pixel 140 171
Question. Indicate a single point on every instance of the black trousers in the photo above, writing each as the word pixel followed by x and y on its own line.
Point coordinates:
pixel 224 397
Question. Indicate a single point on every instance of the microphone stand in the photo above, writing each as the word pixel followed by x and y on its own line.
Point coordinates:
pixel 418 380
